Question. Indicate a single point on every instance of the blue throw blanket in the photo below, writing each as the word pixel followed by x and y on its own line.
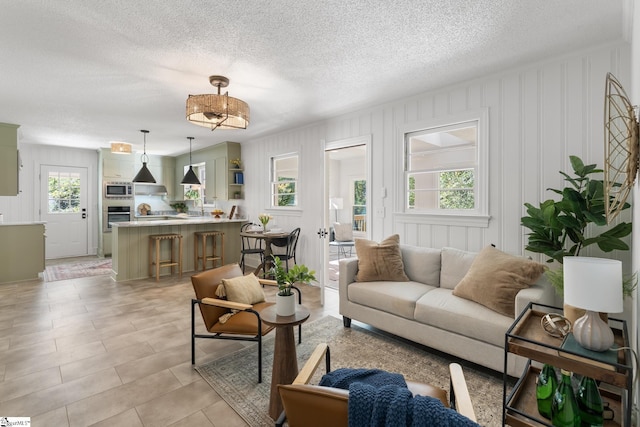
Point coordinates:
pixel 380 398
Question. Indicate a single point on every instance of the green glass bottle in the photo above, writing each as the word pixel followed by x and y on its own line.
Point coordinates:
pixel 546 385
pixel 564 407
pixel 590 403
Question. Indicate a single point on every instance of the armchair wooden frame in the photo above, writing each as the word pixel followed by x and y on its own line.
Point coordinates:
pixel 459 398
pixel 230 305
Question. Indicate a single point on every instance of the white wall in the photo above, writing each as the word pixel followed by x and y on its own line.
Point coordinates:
pixel 26 206
pixel 539 114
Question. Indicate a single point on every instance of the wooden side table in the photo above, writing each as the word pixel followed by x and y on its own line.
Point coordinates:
pixel 285 359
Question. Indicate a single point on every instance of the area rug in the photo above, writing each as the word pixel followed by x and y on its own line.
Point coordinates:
pixel 75 270
pixel 234 376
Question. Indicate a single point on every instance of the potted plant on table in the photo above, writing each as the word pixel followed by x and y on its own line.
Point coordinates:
pixel 285 298
pixel 559 227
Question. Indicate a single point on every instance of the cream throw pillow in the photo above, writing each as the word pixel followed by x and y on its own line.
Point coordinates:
pixel 496 277
pixel 343 232
pixel 243 289
pixel 380 261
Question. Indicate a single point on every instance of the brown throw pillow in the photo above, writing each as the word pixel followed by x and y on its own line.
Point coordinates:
pixel 495 278
pixel 244 289
pixel 380 261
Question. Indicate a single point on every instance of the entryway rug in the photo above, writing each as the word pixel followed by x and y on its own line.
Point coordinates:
pixel 234 376
pixel 75 270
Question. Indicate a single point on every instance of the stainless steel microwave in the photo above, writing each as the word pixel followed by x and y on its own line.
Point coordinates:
pixel 118 190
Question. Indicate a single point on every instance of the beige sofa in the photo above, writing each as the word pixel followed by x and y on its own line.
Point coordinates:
pixel 425 310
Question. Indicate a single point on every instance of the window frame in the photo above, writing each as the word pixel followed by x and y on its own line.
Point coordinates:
pixel 273 183
pixel 477 217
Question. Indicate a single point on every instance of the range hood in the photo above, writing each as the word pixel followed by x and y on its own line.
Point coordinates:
pixel 141 189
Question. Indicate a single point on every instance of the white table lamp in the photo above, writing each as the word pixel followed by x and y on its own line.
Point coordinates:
pixel 336 203
pixel 593 284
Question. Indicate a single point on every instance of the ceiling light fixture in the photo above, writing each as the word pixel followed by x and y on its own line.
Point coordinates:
pixel 120 147
pixel 190 178
pixel 144 175
pixel 218 111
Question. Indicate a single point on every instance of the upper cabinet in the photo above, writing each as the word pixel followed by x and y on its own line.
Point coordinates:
pixel 9 159
pixel 221 176
pixel 117 167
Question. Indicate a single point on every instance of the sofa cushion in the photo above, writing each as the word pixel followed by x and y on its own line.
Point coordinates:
pixel 440 308
pixel 397 298
pixel 496 277
pixel 455 264
pixel 380 261
pixel 421 264
pixel 244 289
pixel 343 232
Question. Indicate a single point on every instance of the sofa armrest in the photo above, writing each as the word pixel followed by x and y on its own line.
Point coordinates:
pixel 348 271
pixel 540 293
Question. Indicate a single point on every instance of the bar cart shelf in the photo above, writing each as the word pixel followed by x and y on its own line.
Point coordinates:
pixel 527 338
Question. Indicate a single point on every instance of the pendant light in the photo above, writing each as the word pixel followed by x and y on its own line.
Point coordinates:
pixel 144 175
pixel 190 178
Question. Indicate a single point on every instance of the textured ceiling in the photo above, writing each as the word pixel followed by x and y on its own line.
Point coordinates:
pixel 82 73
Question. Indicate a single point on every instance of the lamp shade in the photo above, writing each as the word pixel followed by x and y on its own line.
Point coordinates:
pixel 120 147
pixel 593 283
pixel 336 202
pixel 190 178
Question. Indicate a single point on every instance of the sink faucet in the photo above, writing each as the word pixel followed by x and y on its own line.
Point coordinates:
pixel 200 202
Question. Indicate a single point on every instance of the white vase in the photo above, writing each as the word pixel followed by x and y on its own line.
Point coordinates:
pixel 286 305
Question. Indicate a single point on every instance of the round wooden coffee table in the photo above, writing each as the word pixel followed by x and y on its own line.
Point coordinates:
pixel 285 360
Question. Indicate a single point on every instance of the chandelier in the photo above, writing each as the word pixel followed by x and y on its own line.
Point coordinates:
pixel 218 111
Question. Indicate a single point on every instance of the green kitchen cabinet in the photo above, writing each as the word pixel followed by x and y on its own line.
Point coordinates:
pixel 9 168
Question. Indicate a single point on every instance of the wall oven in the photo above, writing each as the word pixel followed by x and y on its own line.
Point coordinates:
pixel 115 214
pixel 118 190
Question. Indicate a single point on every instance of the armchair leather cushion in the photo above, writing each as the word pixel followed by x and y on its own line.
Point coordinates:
pixel 316 406
pixel 244 289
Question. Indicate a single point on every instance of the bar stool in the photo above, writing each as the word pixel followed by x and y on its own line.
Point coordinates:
pixel 200 240
pixel 155 262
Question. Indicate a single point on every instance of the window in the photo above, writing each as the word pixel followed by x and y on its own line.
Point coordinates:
pixel 64 192
pixel 360 205
pixel 284 181
pixel 443 170
pixel 196 192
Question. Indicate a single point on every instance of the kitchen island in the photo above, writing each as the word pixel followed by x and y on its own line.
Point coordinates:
pixel 130 243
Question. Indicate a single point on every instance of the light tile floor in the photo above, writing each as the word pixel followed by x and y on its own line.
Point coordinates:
pixel 92 351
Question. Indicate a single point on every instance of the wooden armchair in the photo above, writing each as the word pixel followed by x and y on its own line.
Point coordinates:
pixel 315 406
pixel 245 325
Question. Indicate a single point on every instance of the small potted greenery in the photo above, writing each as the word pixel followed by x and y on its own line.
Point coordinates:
pixel 298 273
pixel 179 207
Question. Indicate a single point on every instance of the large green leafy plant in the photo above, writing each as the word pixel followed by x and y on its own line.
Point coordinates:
pixel 559 227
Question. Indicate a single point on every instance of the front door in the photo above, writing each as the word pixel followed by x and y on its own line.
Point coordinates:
pixel 63 205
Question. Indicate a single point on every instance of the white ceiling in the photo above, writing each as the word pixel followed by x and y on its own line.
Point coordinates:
pixel 83 73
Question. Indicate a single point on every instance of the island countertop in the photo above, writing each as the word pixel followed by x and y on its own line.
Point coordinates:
pixel 155 221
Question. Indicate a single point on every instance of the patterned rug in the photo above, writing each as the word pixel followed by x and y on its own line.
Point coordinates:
pixel 75 270
pixel 234 376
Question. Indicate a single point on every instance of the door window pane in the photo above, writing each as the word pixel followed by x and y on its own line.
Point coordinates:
pixel 64 192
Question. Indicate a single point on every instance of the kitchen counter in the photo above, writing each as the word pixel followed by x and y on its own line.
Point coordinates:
pixel 157 220
pixel 22 254
pixel 130 242
pixel 22 223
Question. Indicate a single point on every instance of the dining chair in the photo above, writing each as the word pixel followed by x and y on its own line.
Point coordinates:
pixel 250 246
pixel 287 247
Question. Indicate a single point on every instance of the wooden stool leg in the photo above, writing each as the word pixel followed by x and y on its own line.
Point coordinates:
pixel 222 249
pixel 150 258
pixel 157 260
pixel 204 252
pixel 180 256
pixel 195 252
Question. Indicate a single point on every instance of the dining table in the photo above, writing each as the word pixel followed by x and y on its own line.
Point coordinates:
pixel 269 237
